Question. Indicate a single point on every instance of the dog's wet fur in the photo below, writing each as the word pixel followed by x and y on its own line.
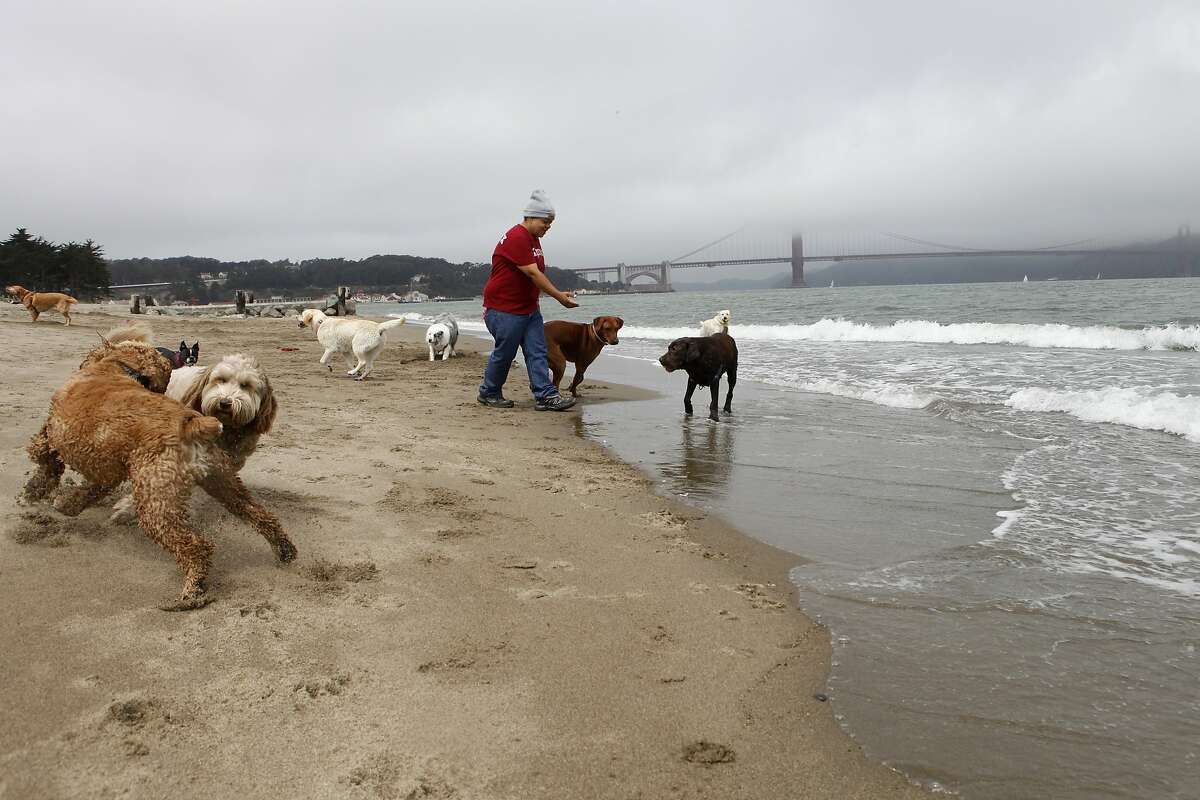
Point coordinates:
pixel 705 359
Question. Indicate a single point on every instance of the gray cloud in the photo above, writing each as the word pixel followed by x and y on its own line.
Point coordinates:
pixel 279 130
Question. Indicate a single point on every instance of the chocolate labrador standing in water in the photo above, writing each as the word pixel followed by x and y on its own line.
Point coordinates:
pixel 579 343
pixel 705 359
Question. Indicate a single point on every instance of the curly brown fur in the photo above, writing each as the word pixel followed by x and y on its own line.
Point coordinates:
pixel 41 302
pixel 105 425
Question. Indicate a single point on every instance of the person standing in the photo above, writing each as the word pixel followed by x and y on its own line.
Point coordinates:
pixel 512 314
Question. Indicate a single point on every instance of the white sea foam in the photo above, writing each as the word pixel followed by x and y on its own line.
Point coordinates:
pixel 1093 337
pixel 1136 408
pixel 884 395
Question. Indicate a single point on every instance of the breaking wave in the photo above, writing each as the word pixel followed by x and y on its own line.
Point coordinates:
pixel 1093 337
pixel 1136 408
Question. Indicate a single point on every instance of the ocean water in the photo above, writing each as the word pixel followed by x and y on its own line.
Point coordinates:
pixel 996 488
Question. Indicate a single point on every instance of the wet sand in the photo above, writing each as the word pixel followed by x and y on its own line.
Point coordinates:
pixel 485 606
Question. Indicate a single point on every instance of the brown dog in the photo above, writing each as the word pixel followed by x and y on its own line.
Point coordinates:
pixel 579 343
pixel 105 425
pixel 41 302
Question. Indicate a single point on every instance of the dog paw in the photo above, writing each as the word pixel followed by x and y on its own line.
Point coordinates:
pixel 285 551
pixel 187 603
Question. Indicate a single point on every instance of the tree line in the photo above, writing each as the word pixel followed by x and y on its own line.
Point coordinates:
pixel 77 268
pixel 376 274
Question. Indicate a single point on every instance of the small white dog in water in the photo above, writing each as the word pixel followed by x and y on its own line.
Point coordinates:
pixel 718 324
pixel 442 336
pixel 361 338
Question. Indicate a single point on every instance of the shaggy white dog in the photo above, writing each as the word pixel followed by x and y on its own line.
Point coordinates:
pixel 442 336
pixel 236 391
pixel 360 337
pixel 718 324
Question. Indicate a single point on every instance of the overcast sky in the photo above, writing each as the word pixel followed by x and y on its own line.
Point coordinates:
pixel 273 130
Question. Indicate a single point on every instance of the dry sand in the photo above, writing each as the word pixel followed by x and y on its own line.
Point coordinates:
pixel 485 606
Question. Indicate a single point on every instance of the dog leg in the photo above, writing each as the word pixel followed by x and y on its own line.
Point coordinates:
pixel 48 468
pixel 687 397
pixel 328 354
pixel 229 490
pixel 161 502
pixel 123 511
pixel 368 365
pixel 34 312
pixel 431 352
pixel 714 390
pixel 449 351
pixel 732 376
pixel 580 368
pixel 74 501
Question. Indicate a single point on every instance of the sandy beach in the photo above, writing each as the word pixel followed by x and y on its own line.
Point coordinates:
pixel 485 605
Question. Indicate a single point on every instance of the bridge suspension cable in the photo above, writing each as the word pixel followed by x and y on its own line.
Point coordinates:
pixel 710 244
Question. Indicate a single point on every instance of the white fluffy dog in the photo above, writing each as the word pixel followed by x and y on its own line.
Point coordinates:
pixel 236 391
pixel 718 324
pixel 442 336
pixel 360 337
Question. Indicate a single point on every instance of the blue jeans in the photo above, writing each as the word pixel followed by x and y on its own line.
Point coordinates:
pixel 510 332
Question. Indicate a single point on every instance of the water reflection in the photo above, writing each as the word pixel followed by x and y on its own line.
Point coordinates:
pixel 701 464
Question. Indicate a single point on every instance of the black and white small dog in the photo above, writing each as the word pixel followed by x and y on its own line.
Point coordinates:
pixel 183 357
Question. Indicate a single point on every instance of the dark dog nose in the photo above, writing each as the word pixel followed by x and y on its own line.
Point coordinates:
pixel 225 404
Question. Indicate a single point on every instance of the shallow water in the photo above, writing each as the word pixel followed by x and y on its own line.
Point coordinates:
pixel 1050 651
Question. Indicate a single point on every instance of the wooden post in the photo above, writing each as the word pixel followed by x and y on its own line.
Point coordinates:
pixel 239 300
pixel 341 301
pixel 136 308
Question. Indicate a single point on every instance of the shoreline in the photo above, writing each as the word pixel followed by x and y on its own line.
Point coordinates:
pixel 505 609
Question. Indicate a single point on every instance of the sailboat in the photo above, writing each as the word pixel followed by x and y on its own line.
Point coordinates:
pixel 1097 276
pixel 831 284
pixel 1025 279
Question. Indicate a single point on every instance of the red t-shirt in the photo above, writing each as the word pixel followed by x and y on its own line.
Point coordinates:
pixel 509 289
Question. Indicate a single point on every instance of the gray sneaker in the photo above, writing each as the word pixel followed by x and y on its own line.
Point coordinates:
pixel 494 401
pixel 555 402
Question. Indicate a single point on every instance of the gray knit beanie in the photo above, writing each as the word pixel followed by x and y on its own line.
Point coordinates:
pixel 539 205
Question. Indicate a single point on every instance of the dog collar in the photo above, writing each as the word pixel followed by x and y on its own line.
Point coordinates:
pixel 595 333
pixel 137 376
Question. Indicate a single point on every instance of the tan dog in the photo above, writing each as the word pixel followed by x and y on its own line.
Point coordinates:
pixel 41 302
pixel 579 343
pixel 104 424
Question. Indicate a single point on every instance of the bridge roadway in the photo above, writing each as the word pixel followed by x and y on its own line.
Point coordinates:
pixel 874 257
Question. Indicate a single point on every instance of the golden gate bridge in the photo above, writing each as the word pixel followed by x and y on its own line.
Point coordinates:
pixel 873 247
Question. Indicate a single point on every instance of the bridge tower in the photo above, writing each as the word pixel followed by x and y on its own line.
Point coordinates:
pixel 665 278
pixel 798 262
pixel 621 273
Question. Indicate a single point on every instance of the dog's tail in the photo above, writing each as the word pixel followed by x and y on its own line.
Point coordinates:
pixel 199 428
pixel 391 323
pixel 130 332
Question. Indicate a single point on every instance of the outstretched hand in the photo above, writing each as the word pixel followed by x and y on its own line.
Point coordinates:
pixel 568 300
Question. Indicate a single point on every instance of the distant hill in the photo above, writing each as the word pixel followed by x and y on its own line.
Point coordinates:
pixel 379 273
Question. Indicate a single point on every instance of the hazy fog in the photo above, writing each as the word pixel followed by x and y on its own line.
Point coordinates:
pixel 284 130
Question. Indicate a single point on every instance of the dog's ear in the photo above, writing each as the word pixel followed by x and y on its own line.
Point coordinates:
pixel 266 409
pixel 183 348
pixel 693 350
pixel 195 393
pixel 196 352
pixel 620 323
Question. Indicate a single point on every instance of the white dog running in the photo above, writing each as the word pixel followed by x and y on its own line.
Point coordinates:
pixel 442 336
pixel 360 337
pixel 718 324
